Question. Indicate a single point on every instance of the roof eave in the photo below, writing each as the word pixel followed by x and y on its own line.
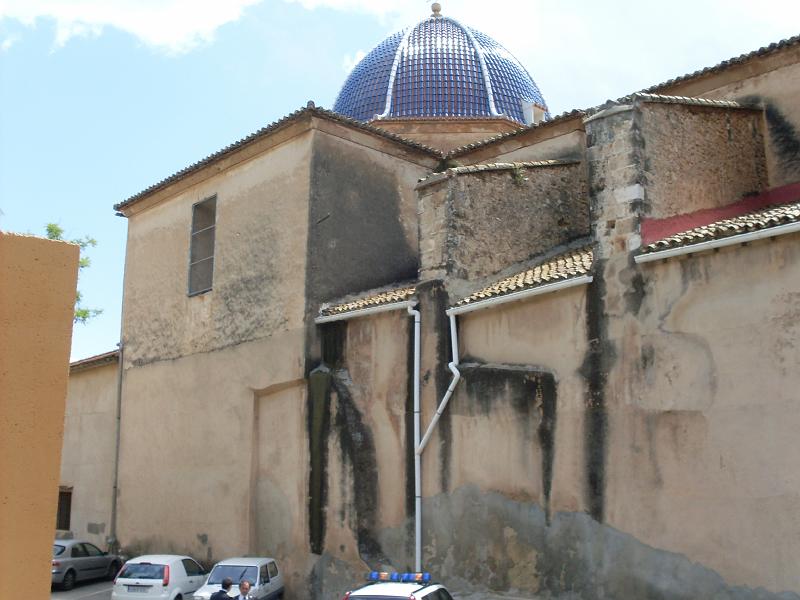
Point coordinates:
pixel 733 240
pixel 308 112
pixel 363 312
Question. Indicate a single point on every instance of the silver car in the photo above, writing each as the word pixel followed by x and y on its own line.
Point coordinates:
pixel 76 560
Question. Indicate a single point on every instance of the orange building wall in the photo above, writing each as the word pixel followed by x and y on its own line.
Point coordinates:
pixel 37 293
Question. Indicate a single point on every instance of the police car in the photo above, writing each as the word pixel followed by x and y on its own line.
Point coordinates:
pixel 397 586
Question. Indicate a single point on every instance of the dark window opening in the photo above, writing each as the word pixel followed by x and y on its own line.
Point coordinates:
pixel 201 249
pixel 64 509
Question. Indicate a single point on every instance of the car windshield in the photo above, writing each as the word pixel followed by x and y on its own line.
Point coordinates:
pixel 235 572
pixel 57 549
pixel 142 571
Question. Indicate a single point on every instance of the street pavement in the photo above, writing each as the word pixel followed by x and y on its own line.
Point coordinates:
pixel 100 590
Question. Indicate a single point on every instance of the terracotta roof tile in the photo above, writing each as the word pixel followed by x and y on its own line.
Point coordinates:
pixel 652 90
pixel 503 166
pixel 383 298
pixel 686 100
pixel 94 361
pixel 753 221
pixel 564 266
pixel 764 50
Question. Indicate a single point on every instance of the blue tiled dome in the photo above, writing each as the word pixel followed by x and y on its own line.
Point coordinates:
pixel 438 68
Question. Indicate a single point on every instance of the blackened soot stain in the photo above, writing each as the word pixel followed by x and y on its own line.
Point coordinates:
pixel 318 410
pixel 358 446
pixel 409 432
pixel 333 336
pixel 439 299
pixel 599 357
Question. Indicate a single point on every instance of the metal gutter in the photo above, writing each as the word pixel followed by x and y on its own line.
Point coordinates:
pixel 353 314
pixel 733 240
pixel 521 295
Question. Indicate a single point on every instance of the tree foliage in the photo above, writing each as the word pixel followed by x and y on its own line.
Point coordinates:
pixel 55 232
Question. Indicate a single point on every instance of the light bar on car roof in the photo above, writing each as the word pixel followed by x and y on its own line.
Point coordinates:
pixel 399 577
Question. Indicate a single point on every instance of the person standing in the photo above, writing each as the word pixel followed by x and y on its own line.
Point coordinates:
pixel 244 590
pixel 223 593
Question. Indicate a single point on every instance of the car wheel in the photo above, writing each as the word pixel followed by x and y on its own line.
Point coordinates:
pixel 69 580
pixel 113 569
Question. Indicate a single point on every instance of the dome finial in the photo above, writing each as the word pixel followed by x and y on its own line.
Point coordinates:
pixel 437 9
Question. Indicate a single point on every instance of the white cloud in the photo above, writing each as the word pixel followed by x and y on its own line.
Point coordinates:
pixel 351 60
pixel 174 26
pixel 584 52
pixel 8 42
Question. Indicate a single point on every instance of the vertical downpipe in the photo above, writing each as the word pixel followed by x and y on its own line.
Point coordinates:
pixel 420 445
pixel 112 530
pixel 417 460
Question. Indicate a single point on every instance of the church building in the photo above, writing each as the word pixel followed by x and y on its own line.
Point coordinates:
pixel 438 327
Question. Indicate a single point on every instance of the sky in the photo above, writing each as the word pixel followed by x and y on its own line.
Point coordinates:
pixel 100 99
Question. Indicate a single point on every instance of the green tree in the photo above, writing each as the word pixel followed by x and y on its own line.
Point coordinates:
pixel 54 232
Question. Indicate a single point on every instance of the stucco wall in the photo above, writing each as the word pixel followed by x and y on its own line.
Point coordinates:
pixel 688 384
pixel 198 370
pixel 259 257
pixel 199 418
pixel 37 296
pixel 87 457
pixel 476 224
pixel 446 134
pixel 702 452
pixel 549 140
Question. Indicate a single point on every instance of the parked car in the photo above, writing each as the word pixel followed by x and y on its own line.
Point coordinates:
pixel 265 578
pixel 162 575
pixel 76 560
pixel 391 586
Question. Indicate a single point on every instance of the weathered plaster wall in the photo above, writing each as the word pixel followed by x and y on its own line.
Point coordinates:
pixel 87 457
pixel 446 134
pixel 279 482
pixel 547 333
pixel 204 440
pixel 201 372
pixel 487 220
pixel 361 451
pixel 362 223
pixel 259 270
pixel 570 145
pixel 704 438
pixel 698 157
pixel 37 296
pixel 550 140
pixel 771 81
pixel 688 382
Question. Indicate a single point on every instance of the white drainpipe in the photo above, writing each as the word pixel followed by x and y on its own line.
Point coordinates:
pixel 412 311
pixel 417 461
pixel 453 366
pixel 420 446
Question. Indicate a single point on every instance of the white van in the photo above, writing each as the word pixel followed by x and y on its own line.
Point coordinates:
pixel 265 578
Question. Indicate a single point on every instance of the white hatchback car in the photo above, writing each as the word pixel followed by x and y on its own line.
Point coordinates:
pixel 162 576
pixel 266 580
pixel 399 586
